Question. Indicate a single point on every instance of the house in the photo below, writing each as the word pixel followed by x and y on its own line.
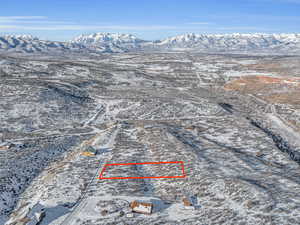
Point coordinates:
pixel 129 215
pixel 6 146
pixel 3 148
pixel 141 207
pixel 89 151
pixel 190 127
pixel 188 203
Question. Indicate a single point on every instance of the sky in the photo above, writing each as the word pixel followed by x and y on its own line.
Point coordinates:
pixel 148 19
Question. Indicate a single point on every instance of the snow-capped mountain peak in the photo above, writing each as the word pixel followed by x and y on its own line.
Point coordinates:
pixel 109 42
pixel 30 44
pixel 233 42
pixel 106 38
pixel 21 37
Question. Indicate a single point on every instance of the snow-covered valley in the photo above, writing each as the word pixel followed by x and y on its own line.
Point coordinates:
pixel 231 119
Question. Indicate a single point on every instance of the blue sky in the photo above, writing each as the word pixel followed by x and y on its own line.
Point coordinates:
pixel 151 19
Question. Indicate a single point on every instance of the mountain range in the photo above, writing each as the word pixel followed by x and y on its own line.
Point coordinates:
pixel 117 43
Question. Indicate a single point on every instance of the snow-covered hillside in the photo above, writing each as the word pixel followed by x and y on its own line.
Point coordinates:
pixel 29 44
pixel 115 43
pixel 233 42
pixel 109 38
pixel 230 119
pixel 111 42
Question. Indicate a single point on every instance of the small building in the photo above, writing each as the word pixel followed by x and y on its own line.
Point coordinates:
pixel 141 207
pixel 187 202
pixel 6 146
pixel 89 151
pixel 192 127
pixel 3 148
pixel 129 215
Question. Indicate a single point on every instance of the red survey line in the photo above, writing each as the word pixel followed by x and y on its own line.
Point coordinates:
pixel 182 167
pixel 101 174
pixel 125 164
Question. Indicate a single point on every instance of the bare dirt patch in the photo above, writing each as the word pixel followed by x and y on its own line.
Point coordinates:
pixel 283 90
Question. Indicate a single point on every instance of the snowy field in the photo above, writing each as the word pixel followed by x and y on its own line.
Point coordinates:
pixel 134 108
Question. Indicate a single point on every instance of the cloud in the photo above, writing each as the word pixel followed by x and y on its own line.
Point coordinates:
pixel 246 29
pixel 199 23
pixel 87 27
pixel 241 28
pixel 7 27
pixel 15 20
pixel 20 18
pixel 42 23
pixel 23 17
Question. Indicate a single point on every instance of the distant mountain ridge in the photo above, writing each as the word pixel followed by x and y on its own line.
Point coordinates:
pixel 30 44
pixel 233 42
pixel 109 42
pixel 116 43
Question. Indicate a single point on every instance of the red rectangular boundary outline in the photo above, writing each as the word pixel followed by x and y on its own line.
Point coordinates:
pixel 125 164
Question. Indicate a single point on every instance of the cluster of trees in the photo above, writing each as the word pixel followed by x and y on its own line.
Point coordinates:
pixel 280 143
